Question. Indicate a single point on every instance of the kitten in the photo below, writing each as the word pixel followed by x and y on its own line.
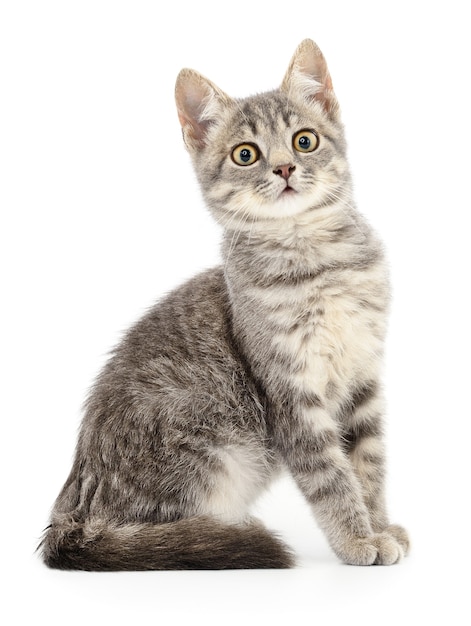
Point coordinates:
pixel 270 361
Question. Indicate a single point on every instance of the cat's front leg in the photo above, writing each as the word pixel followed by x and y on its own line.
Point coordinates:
pixel 311 445
pixel 361 419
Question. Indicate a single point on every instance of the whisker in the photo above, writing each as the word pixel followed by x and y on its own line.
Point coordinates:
pixel 340 196
pixel 243 216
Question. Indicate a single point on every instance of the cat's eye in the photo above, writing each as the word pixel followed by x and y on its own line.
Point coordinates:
pixel 245 154
pixel 305 141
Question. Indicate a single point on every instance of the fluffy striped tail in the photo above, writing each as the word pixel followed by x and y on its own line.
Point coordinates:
pixel 195 543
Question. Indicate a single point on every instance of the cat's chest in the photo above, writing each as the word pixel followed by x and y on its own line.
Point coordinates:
pixel 323 334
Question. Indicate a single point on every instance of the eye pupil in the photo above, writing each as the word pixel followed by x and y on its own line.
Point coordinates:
pixel 245 155
pixel 304 142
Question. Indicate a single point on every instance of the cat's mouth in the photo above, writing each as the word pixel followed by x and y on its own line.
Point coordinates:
pixel 288 190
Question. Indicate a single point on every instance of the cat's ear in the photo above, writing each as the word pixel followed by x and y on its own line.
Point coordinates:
pixel 199 105
pixel 308 77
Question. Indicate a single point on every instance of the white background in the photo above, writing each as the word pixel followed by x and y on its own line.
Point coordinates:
pixel 101 215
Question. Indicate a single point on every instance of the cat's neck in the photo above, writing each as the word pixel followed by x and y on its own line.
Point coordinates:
pixel 291 249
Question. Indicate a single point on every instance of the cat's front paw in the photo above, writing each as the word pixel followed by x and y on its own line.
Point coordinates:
pixel 400 535
pixel 379 549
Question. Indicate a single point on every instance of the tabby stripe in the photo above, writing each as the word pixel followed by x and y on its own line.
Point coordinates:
pixel 363 394
pixel 360 431
pixel 334 486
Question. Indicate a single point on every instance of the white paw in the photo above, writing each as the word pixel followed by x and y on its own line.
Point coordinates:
pixel 379 549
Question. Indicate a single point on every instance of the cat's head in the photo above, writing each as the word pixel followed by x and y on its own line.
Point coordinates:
pixel 272 156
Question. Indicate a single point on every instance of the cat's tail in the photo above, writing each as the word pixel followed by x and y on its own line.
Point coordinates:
pixel 195 543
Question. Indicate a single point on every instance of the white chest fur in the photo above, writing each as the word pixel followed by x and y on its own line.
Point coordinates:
pixel 329 329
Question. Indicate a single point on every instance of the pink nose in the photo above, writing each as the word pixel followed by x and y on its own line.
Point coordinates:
pixel 284 171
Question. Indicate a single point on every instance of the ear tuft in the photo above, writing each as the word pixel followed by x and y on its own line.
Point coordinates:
pixel 199 103
pixel 309 77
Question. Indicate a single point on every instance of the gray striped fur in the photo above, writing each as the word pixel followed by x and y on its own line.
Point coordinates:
pixel 272 360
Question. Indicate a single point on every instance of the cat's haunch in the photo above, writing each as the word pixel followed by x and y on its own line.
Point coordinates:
pixel 270 361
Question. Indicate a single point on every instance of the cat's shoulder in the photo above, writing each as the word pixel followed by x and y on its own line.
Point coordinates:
pixel 204 288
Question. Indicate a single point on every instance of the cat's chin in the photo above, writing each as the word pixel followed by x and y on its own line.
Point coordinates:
pixel 289 204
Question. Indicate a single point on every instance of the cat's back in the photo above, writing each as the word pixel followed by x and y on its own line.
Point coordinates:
pixel 190 321
pixel 187 326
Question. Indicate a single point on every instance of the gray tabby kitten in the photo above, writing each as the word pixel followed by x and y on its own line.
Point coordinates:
pixel 270 361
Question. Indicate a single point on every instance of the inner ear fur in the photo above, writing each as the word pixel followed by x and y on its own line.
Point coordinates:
pixel 308 76
pixel 199 103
